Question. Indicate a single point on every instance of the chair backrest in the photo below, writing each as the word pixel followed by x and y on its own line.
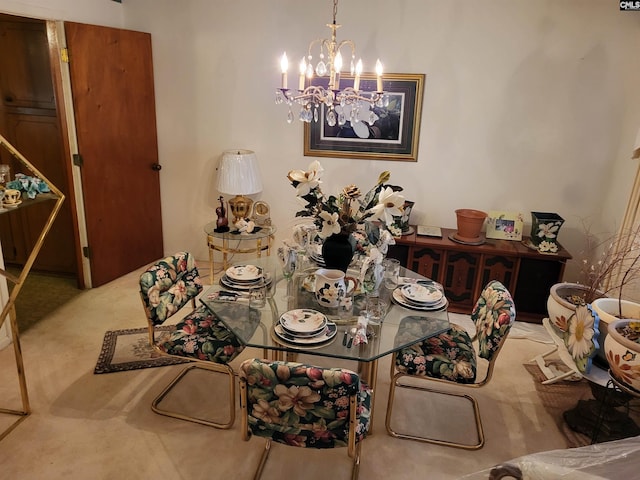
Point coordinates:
pixel 581 336
pixel 167 285
pixel 493 316
pixel 302 405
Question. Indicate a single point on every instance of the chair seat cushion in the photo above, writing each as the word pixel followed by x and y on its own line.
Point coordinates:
pixel 304 406
pixel 450 356
pixel 202 336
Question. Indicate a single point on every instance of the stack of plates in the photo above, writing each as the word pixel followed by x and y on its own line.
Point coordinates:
pixel 423 295
pixel 244 277
pixel 304 326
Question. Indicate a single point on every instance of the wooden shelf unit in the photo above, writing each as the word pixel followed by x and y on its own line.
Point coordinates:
pixel 464 270
pixel 8 310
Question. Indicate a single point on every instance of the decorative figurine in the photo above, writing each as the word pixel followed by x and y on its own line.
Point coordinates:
pixel 222 223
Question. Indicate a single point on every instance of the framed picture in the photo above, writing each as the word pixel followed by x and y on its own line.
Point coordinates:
pixel 505 225
pixel 391 133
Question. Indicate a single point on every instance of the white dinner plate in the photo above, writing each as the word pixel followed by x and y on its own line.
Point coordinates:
pixel 303 320
pixel 226 282
pixel 244 273
pixel 327 334
pixel 421 294
pixel 400 300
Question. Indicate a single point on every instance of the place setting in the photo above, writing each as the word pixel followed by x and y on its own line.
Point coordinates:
pixel 304 327
pixel 424 295
pixel 245 277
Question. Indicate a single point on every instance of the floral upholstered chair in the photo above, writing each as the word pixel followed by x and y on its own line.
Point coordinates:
pixel 304 406
pixel 452 356
pixel 166 287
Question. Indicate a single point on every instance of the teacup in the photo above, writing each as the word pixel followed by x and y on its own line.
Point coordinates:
pixel 11 196
pixel 332 286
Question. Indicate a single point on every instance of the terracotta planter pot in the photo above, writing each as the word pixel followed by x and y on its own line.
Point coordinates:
pixel 623 354
pixel 469 223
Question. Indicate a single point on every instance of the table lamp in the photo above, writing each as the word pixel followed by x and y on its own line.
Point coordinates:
pixel 239 175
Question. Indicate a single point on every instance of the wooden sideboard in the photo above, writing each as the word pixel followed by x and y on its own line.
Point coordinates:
pixel 464 270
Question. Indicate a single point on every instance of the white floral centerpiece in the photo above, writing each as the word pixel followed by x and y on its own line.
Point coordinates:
pixel 370 218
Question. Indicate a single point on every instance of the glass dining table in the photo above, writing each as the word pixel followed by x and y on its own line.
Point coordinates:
pixel 254 318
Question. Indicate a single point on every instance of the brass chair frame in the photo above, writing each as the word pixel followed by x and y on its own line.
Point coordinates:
pixel 395 383
pixel 397 375
pixel 198 364
pixel 353 448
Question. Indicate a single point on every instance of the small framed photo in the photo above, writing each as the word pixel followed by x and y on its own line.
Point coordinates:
pixel 505 225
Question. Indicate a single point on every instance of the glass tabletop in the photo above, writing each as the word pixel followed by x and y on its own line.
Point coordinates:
pixel 259 232
pixel 254 320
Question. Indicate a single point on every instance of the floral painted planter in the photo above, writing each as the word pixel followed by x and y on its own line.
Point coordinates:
pixel 608 309
pixel 622 347
pixel 544 231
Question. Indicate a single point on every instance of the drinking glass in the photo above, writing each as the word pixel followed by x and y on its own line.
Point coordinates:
pixel 288 258
pixel 375 309
pixel 372 277
pixel 391 272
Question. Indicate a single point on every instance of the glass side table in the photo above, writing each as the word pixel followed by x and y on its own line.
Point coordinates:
pixel 231 242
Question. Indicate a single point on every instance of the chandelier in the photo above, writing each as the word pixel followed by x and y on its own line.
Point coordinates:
pixel 349 103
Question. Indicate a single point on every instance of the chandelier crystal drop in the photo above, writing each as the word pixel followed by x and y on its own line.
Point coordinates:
pixel 347 104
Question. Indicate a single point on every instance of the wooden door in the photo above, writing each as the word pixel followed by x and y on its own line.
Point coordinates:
pixel 114 106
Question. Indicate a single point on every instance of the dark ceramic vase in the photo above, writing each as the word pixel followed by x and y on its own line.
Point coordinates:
pixel 337 251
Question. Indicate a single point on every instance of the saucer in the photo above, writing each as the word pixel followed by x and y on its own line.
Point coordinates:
pixel 454 237
pixel 11 205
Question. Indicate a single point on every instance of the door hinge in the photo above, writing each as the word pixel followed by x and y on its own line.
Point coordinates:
pixel 64 55
pixel 86 251
pixel 77 160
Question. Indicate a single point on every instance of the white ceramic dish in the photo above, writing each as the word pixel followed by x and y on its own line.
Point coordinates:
pixel 400 300
pixel 303 320
pixel 421 294
pixel 244 273
pixel 327 334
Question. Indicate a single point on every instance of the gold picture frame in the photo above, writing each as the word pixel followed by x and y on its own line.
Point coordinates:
pixel 505 225
pixel 393 136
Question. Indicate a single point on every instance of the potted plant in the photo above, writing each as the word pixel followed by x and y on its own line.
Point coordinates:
pixel 370 220
pixel 622 349
pixel 607 267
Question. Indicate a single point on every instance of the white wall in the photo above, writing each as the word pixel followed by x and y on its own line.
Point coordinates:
pixel 97 12
pixel 529 105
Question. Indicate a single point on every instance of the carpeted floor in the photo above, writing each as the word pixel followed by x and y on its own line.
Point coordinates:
pixel 40 295
pixel 560 397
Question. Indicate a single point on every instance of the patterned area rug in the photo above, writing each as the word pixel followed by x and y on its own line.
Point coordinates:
pixel 560 397
pixel 124 350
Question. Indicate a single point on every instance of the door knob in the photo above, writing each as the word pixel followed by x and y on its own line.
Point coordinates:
pixel 156 166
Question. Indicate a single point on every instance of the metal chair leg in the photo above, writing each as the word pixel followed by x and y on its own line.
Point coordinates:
pixel 215 368
pixel 476 411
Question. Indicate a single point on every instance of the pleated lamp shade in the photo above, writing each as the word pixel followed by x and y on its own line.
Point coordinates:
pixel 239 175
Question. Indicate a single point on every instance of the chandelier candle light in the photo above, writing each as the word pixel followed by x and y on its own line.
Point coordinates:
pixel 310 97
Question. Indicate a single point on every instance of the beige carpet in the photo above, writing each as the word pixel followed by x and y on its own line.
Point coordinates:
pixel 559 397
pixel 40 295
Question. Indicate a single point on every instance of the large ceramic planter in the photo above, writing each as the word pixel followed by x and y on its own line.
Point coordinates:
pixel 608 309
pixel 562 302
pixel 623 352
